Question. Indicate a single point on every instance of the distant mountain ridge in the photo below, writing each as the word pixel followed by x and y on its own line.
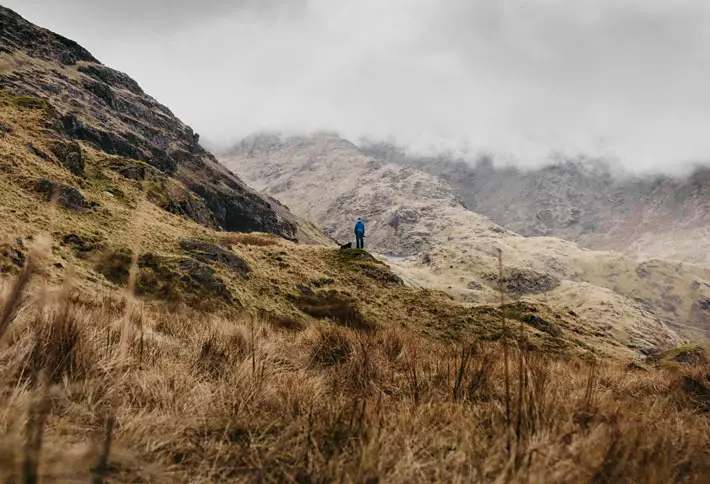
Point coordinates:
pixel 584 201
pixel 412 213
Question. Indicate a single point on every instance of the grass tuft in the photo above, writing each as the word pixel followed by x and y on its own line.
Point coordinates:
pixel 253 239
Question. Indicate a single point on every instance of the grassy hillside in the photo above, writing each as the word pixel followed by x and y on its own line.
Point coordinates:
pixel 99 218
pixel 141 342
pixel 89 102
pixel 139 345
pixel 150 395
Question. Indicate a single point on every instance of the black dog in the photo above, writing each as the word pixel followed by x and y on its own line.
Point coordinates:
pixel 349 245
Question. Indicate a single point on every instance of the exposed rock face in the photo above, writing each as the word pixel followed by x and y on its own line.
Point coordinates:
pixel 587 202
pixel 70 156
pixel 91 103
pixel 337 184
pixel 412 213
pixel 68 197
pixel 204 276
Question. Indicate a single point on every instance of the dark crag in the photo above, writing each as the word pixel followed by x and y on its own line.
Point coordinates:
pixel 108 110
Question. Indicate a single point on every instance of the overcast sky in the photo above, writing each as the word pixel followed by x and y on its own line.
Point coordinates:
pixel 623 78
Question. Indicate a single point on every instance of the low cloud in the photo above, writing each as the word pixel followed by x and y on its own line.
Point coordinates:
pixel 622 79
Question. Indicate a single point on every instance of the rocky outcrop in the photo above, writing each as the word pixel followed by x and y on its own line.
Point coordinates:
pixel 20 35
pixel 210 253
pixel 69 156
pixel 90 103
pixel 68 197
pixel 164 278
pixel 521 281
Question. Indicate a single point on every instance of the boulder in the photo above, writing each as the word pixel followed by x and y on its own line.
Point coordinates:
pixel 690 356
pixel 203 274
pixel 520 281
pixel 132 170
pixel 67 196
pixel 70 156
pixel 210 253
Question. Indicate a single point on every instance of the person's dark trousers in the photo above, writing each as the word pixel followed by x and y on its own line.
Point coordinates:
pixel 360 240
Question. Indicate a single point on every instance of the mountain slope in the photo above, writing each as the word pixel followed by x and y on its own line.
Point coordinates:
pixel 108 111
pixel 584 201
pixel 411 213
pixel 138 345
pixel 106 176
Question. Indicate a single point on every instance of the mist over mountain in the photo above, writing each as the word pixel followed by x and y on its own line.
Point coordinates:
pixel 166 319
pixel 619 80
pixel 588 201
pixel 411 211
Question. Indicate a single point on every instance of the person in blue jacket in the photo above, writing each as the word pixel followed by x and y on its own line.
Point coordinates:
pixel 360 234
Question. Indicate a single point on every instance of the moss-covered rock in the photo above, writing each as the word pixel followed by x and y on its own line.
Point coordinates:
pixel 166 278
pixel 210 253
pixel 70 156
pixel 519 282
pixel 687 355
pixel 131 169
pixel 82 246
pixel 528 314
pixel 68 197
pixel 29 102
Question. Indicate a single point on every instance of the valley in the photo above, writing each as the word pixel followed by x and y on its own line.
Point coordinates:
pixel 412 213
pixel 168 315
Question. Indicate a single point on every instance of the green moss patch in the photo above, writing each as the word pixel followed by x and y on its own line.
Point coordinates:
pixel 166 278
pixel 29 102
pixel 364 263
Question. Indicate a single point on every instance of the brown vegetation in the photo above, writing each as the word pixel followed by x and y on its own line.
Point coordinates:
pixel 194 398
pixel 257 240
pixel 345 374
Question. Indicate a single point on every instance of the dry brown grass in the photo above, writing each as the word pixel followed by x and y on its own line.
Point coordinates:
pixel 206 399
pixel 255 240
pixel 101 387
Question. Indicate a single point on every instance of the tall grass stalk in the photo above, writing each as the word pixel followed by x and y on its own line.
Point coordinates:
pixel 39 251
pixel 101 469
pixel 130 300
pixel 34 435
pixel 506 357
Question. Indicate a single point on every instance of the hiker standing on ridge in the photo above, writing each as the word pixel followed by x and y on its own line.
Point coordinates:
pixel 360 233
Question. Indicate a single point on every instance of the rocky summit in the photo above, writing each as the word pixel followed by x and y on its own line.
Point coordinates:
pixel 89 104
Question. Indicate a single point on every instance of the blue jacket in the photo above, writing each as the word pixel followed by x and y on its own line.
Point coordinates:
pixel 360 227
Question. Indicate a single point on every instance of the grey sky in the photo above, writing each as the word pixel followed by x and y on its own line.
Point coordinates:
pixel 623 78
